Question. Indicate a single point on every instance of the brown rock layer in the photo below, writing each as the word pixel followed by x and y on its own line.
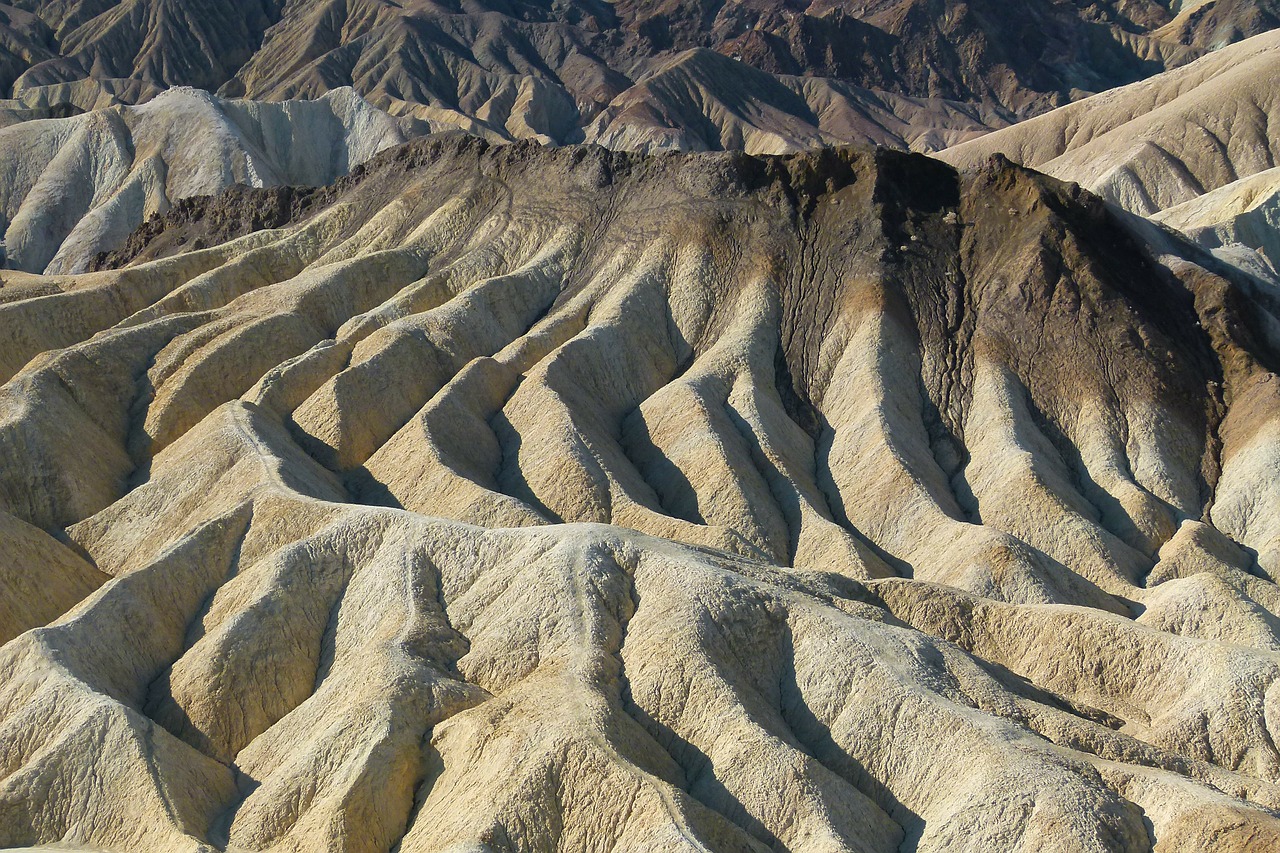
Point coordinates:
pixel 530 498
pixel 914 73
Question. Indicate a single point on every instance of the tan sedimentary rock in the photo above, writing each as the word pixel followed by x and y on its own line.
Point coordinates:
pixel 1154 144
pixel 76 186
pixel 40 578
pixel 1233 219
pixel 551 499
pixel 1194 148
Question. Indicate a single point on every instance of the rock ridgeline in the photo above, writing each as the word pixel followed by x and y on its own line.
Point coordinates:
pixel 1196 148
pixel 76 186
pixel 526 498
pixel 677 73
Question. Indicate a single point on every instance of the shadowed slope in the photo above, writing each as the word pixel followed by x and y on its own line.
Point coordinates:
pixel 549 498
pixel 1190 147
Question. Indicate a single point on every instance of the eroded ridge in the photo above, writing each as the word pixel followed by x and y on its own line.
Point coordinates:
pixel 552 499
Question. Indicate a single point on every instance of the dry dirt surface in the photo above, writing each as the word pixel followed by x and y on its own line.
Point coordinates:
pixel 555 499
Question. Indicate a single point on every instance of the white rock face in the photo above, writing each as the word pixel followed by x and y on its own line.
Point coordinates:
pixel 554 499
pixel 71 188
pixel 1242 216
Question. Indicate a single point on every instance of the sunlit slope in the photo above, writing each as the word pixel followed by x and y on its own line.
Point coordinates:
pixel 558 498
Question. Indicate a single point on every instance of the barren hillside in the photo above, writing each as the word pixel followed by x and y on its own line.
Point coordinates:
pixel 1188 147
pixel 75 186
pixel 524 498
pixel 576 70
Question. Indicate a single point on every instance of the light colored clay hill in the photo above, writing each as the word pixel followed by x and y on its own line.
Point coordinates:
pixel 73 187
pixel 1162 142
pixel 554 499
pixel 1243 214
pixel 76 185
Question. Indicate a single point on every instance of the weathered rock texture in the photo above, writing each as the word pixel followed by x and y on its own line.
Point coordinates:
pixel 1244 214
pixel 760 77
pixel 694 74
pixel 75 186
pixel 552 499
pixel 1195 148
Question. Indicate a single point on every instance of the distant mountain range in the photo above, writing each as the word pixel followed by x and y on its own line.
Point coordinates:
pixel 919 73
pixel 1195 147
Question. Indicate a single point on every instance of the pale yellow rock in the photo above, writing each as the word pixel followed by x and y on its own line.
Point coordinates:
pixel 40 578
pixel 74 187
pixel 562 499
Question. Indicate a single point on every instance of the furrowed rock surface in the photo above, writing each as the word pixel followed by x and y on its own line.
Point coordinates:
pixel 1195 148
pixel 545 499
pixel 1244 214
pixel 73 187
pixel 703 101
pixel 698 74
pixel 967 51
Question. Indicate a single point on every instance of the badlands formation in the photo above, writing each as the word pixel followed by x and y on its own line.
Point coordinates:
pixel 688 74
pixel 94 141
pixel 1196 148
pixel 557 499
pixel 76 186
